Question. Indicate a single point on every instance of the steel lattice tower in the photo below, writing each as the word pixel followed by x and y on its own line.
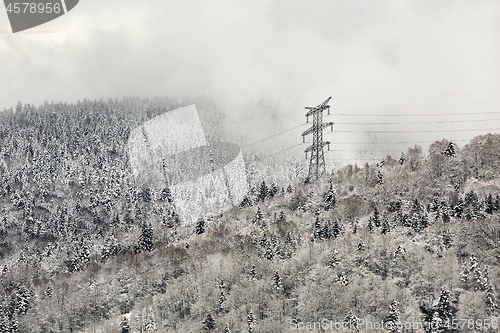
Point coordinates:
pixel 317 163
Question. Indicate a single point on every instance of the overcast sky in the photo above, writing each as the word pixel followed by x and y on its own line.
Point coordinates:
pixel 293 52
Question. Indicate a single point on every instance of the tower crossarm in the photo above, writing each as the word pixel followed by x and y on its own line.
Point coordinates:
pixel 314 146
pixel 319 108
pixel 314 128
pixel 315 109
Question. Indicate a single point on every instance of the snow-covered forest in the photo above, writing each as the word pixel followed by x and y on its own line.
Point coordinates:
pixel 413 238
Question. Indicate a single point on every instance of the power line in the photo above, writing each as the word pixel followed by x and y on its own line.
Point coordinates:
pixel 415 115
pixel 281 151
pixel 410 106
pixel 422 122
pixel 365 150
pixel 394 123
pixel 378 123
pixel 408 142
pixel 336 150
pixel 424 131
pixel 359 159
pixel 405 96
pixel 392 142
pixel 273 136
pixel 344 150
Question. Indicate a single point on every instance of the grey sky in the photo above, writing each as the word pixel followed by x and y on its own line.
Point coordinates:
pixel 293 52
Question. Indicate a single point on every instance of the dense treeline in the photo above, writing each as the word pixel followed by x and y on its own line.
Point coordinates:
pixel 412 238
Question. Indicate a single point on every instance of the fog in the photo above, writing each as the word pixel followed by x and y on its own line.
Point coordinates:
pixel 375 58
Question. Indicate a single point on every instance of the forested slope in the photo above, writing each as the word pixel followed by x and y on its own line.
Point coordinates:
pixel 83 250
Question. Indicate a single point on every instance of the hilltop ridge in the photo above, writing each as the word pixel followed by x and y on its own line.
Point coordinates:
pixel 83 250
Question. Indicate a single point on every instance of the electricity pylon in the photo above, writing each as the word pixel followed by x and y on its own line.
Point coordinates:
pixel 317 163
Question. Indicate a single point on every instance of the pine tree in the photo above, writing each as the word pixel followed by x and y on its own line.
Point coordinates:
pixel 402 159
pixel 468 271
pixel 4 322
pixel 289 247
pixel 445 212
pixel 200 227
pixel 259 217
pixel 352 321
pixel 246 202
pixel 464 274
pixel 472 263
pixel 376 218
pixel 424 221
pixel 226 328
pixel 109 248
pixel 250 321
pixel 447 238
pixel 115 221
pixel 416 206
pixel 124 326
pixel 385 227
pixel 128 219
pixel 398 218
pixel 221 285
pixel 80 256
pixel 458 209
pixel 267 251
pixel 166 195
pixel 277 284
pixel 330 198
pixel 264 191
pixel 334 260
pixel 85 253
pixel 450 150
pixel 399 251
pixel 380 179
pixel 14 324
pixel 371 227
pixel 49 291
pixel 336 229
pixel 208 324
pixel 146 238
pixel 326 232
pixel 21 300
pixel 222 295
pixel 342 278
pixel 491 300
pixel 415 221
pixel 393 319
pixel 436 323
pixel 151 323
pixel 317 229
pixel 354 227
pixel 253 273
pixel 282 216
pixel 222 298
pixel 273 190
pixel 480 279
pixel 361 246
pixel 444 308
pixel 490 205
pixel 472 276
pixel 472 206
pixel 145 194
pixel 273 246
